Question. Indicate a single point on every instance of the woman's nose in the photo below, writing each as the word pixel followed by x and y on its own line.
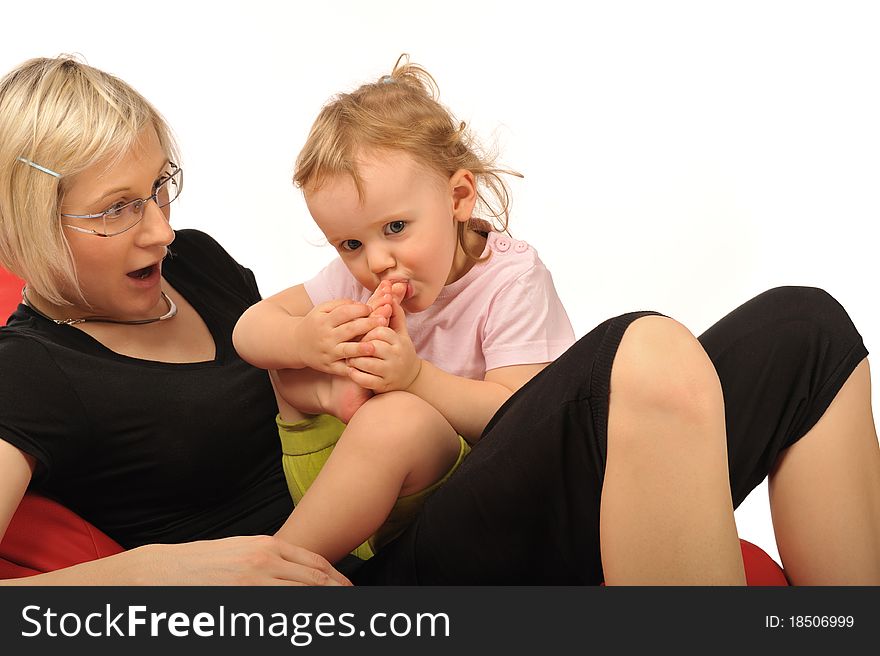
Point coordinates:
pixel 154 227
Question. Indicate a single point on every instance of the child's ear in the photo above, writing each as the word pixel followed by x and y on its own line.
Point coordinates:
pixel 464 194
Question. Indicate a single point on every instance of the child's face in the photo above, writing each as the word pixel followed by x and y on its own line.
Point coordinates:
pixel 405 228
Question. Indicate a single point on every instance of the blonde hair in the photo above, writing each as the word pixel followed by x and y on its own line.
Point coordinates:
pixel 401 111
pixel 65 116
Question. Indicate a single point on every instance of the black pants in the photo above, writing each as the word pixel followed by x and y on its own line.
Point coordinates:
pixel 524 507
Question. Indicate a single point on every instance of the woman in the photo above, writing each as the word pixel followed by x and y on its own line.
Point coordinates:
pixel 123 398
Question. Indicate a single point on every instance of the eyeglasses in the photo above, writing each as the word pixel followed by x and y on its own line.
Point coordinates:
pixel 124 216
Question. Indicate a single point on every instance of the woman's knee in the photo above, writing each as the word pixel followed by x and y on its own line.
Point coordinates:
pixel 661 367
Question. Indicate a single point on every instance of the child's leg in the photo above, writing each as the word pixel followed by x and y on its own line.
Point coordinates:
pixel 396 445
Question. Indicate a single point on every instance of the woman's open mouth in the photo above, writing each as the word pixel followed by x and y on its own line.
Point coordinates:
pixel 142 273
pixel 147 274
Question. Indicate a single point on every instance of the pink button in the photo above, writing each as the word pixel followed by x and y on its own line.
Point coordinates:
pixel 521 247
pixel 502 244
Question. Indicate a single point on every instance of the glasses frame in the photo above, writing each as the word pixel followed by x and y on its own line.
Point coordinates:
pixel 177 171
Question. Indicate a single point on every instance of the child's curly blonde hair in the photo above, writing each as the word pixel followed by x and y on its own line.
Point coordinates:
pixel 401 111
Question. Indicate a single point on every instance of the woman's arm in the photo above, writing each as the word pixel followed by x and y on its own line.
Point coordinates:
pixel 251 560
pixel 245 560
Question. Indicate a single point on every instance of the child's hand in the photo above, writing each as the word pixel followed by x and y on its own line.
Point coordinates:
pixel 385 360
pixel 326 330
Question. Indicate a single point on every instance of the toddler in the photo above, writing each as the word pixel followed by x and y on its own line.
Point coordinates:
pixel 426 323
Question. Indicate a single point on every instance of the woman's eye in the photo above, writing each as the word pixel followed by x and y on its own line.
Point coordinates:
pixel 395 227
pixel 350 245
pixel 114 210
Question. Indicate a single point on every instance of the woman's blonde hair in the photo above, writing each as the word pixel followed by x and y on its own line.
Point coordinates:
pixel 65 116
pixel 401 111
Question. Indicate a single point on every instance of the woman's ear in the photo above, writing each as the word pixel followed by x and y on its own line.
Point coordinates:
pixel 464 194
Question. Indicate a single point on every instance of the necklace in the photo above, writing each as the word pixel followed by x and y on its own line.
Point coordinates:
pixel 172 311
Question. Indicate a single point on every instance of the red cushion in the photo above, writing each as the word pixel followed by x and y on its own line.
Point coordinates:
pixel 10 294
pixel 44 536
pixel 761 569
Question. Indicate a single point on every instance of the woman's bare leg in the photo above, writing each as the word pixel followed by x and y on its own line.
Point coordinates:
pixel 396 445
pixel 666 513
pixel 825 494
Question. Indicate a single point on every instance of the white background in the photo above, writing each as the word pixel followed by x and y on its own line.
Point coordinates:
pixel 679 156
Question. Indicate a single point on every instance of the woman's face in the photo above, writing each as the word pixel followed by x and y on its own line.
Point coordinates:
pixel 120 276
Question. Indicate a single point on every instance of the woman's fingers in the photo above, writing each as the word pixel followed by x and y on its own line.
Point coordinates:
pixel 241 560
pixel 304 567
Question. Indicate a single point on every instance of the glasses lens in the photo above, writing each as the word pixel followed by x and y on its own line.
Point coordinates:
pixel 169 190
pixel 121 217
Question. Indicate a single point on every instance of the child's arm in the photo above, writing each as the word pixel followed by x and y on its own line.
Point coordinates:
pixel 469 404
pixel 386 360
pixel 286 331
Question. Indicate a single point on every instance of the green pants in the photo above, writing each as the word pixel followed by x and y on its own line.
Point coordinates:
pixel 307 444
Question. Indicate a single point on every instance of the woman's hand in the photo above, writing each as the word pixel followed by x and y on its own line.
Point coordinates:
pixel 244 560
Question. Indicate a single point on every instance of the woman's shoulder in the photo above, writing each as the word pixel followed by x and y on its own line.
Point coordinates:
pixel 25 349
pixel 197 259
pixel 195 243
pixel 197 250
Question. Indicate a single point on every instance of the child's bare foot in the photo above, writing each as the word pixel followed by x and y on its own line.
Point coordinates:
pixel 342 397
pixel 381 299
pixel 398 290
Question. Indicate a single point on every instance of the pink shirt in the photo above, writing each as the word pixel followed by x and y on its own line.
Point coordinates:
pixel 504 311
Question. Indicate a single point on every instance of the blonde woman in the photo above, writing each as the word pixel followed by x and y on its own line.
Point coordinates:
pixel 122 396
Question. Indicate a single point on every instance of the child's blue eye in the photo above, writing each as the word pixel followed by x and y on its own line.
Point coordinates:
pixel 395 227
pixel 350 245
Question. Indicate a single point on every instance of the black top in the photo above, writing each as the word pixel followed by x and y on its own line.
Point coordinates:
pixel 148 451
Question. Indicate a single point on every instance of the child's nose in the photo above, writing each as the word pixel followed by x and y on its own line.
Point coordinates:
pixel 379 260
